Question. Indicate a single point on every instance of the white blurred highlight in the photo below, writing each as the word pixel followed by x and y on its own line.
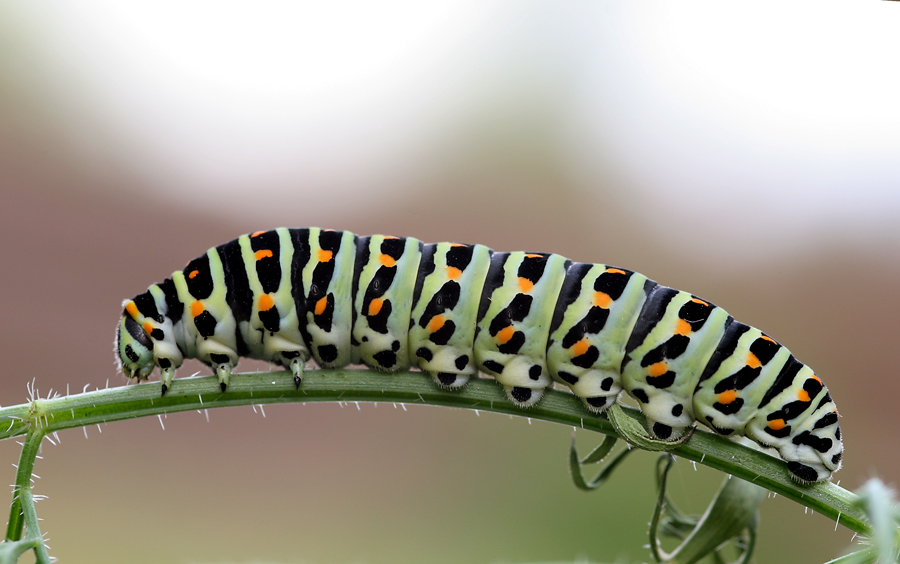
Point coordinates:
pixel 778 117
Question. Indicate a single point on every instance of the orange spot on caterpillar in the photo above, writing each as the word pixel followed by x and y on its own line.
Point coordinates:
pixel 193 274
pixel 266 302
pixel 615 270
pixel 803 395
pixel 768 338
pixel 132 309
pixel 325 256
pixel 816 378
pixel 727 397
pixel 453 273
pixel 753 361
pixel 257 234
pixel 197 308
pixel 505 334
pixel 776 424
pixel 699 301
pixel 148 327
pixel 532 255
pixel 682 327
pixel 525 285
pixel 602 300
pixel 580 347
pixel 387 260
pixel 436 323
pixel 321 305
pixel 375 305
pixel 262 253
pixel 658 369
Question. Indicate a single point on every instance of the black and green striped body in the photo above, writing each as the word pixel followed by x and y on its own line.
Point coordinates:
pixel 528 320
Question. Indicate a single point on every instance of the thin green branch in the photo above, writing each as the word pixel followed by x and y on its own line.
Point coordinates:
pixel 114 404
pixel 22 514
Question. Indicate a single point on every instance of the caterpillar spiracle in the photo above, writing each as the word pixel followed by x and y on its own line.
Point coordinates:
pixel 526 319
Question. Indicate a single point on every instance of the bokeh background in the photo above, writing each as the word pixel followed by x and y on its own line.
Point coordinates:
pixel 746 152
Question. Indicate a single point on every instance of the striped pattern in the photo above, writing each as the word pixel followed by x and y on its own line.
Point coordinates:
pixel 528 320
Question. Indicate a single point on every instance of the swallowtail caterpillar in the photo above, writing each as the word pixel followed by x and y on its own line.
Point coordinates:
pixel 526 319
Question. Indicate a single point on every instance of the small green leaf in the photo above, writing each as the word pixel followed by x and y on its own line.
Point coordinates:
pixel 633 428
pixel 11 550
pixel 878 502
pixel 867 555
pixel 595 456
pixel 733 510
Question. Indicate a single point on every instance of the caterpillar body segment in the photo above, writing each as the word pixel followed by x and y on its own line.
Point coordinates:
pixel 324 294
pixel 513 327
pixel 446 299
pixel 671 344
pixel 527 319
pixel 384 280
pixel 596 311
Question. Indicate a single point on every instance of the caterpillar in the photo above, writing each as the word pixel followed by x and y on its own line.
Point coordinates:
pixel 526 319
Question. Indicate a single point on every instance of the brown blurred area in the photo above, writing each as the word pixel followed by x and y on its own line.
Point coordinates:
pixel 323 483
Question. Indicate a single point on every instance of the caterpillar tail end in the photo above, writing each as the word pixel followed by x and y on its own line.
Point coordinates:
pixel 223 371
pixel 297 370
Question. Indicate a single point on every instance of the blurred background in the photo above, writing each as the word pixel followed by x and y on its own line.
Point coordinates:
pixel 746 152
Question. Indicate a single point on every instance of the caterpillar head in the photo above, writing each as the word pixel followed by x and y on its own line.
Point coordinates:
pixel 134 349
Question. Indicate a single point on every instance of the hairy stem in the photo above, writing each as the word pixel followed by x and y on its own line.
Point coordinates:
pixel 141 400
pixel 22 514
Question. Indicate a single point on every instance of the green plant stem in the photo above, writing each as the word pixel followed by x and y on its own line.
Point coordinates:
pixel 141 400
pixel 22 515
